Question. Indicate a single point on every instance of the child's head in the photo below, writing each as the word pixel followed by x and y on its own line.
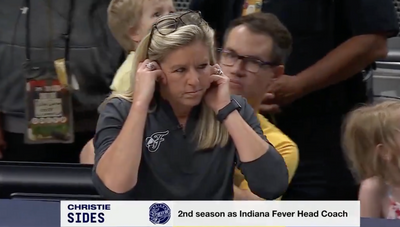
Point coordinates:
pixel 371 141
pixel 131 20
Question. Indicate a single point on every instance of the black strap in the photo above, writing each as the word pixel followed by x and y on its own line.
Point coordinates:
pixel 28 30
pixel 228 109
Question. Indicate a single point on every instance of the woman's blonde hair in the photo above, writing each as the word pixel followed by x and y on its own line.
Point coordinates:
pixel 209 131
pixel 366 131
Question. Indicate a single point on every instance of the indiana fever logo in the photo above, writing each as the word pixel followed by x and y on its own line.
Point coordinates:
pixel 159 213
pixel 153 142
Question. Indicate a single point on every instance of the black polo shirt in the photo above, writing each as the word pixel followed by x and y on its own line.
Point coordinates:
pixel 319 26
pixel 172 169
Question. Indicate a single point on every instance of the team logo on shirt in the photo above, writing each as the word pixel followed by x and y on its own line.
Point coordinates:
pixel 153 142
pixel 159 213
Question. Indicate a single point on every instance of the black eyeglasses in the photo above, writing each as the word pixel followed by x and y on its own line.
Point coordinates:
pixel 251 64
pixel 170 25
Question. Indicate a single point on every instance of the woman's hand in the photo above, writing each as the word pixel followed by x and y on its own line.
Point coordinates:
pixel 147 74
pixel 218 95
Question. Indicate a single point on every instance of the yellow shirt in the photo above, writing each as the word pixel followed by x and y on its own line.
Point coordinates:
pixel 282 143
pixel 122 78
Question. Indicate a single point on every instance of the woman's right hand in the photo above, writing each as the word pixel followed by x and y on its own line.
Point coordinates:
pixel 147 74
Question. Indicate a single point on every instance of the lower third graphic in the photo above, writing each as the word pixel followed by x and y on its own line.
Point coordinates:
pixel 159 213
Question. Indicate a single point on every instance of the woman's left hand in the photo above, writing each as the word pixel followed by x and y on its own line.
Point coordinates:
pixel 218 95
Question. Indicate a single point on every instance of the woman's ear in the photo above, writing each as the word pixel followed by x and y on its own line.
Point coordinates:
pixel 162 78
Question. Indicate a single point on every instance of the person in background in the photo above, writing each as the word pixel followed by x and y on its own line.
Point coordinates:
pixel 129 21
pixel 94 57
pixel 255 49
pixel 333 43
pixel 177 132
pixel 373 150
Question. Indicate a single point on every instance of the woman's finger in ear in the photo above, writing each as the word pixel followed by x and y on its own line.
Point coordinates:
pixel 217 68
pixel 156 65
pixel 143 64
pixel 161 77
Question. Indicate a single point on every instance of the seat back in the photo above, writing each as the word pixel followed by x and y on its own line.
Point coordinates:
pixel 48 181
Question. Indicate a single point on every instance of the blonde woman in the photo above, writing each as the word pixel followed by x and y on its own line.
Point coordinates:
pixel 372 143
pixel 177 134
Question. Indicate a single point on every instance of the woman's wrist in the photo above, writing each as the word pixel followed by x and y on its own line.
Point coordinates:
pixel 233 118
pixel 140 106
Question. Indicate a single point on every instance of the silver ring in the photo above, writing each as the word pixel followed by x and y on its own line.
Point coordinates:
pixel 219 72
pixel 150 66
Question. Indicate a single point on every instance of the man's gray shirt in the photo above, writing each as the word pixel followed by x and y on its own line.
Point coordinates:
pixel 172 169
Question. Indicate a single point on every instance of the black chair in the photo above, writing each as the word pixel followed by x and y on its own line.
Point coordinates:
pixel 46 181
